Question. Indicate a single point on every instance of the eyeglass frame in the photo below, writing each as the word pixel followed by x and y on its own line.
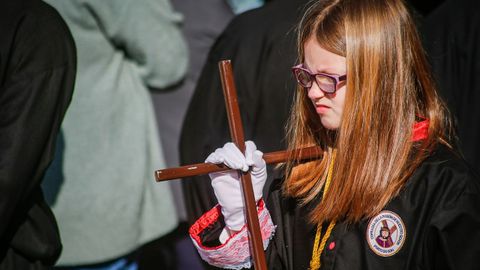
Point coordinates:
pixel 313 78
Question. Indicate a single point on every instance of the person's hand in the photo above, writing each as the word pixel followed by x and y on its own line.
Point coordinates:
pixel 226 185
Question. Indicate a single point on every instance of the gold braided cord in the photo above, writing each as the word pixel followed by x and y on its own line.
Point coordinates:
pixel 315 261
pixel 319 246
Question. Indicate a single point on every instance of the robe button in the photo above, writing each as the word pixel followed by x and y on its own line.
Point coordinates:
pixel 331 246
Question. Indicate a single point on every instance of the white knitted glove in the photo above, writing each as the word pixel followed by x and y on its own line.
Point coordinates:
pixel 226 185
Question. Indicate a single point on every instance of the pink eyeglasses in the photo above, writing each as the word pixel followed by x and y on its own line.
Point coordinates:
pixel 326 82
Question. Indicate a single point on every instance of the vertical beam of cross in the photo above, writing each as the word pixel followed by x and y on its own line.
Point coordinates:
pixel 236 131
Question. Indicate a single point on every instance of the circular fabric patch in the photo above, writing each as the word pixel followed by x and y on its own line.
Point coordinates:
pixel 386 233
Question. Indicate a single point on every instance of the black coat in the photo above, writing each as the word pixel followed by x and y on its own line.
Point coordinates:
pixel 37 70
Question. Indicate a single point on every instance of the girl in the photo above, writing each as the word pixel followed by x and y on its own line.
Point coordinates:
pixel 389 191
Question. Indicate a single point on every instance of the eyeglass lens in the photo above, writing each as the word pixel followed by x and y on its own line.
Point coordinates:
pixel 325 83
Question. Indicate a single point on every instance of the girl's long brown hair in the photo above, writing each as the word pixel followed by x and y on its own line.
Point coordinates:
pixel 389 88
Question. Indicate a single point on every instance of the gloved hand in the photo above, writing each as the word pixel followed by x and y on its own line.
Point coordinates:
pixel 226 185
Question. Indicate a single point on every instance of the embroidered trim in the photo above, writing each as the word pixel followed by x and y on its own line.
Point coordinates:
pixel 235 252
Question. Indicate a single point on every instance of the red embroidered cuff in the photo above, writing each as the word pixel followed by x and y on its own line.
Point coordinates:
pixel 234 253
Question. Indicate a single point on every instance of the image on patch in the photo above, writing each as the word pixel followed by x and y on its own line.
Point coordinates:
pixel 386 233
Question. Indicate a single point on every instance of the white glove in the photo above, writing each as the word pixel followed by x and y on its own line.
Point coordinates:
pixel 226 185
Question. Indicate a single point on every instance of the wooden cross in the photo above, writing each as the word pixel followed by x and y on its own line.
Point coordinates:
pixel 236 131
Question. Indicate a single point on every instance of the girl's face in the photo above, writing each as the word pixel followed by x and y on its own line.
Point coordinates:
pixel 329 107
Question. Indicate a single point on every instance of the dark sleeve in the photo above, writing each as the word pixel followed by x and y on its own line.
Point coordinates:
pixel 205 125
pixel 453 236
pixel 35 90
pixel 204 128
pixel 277 254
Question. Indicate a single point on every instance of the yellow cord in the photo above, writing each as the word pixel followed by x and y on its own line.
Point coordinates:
pixel 318 245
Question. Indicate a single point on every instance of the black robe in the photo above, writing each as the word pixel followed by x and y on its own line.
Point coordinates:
pixel 261 45
pixel 452 40
pixel 37 71
pixel 439 207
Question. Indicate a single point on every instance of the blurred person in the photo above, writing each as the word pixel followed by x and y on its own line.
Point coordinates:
pixel 101 185
pixel 452 40
pixel 37 74
pixel 262 52
pixel 202 24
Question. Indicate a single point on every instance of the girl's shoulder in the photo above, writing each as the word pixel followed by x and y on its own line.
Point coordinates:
pixel 446 162
pixel 446 175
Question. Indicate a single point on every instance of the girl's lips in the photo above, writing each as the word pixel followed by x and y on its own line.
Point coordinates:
pixel 321 108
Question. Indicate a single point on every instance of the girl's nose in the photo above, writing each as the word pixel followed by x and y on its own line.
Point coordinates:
pixel 314 92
